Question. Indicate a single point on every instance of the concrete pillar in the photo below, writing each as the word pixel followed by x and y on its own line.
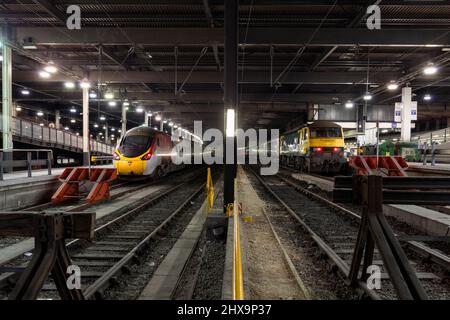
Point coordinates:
pixel 86 160
pixel 124 119
pixel 57 120
pixel 406 114
pixel 7 102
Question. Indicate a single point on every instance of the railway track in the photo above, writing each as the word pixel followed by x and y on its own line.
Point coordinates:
pixel 334 229
pixel 121 241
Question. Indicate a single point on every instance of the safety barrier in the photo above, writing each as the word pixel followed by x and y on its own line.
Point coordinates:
pixel 28 163
pixel 210 190
pixel 364 165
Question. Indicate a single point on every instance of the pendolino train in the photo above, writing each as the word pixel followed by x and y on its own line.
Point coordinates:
pixel 144 152
pixel 314 148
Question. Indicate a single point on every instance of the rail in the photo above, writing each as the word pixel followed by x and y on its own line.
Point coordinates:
pixel 27 131
pixel 28 163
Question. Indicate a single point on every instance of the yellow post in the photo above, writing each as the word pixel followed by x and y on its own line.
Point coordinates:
pixel 238 278
pixel 210 189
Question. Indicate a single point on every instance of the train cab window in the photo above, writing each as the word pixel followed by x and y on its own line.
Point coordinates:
pixel 133 145
pixel 326 133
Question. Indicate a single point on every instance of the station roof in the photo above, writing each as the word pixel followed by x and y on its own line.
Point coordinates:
pixel 291 54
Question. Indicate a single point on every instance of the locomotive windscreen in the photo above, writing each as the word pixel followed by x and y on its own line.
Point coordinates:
pixel 135 143
pixel 326 133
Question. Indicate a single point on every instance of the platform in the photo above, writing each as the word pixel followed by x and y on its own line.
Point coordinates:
pixel 437 169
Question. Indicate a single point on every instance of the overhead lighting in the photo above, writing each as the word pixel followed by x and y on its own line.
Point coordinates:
pixel 126 104
pixel 385 131
pixel 85 84
pixel 149 55
pixel 73 110
pixel 392 86
pixel 102 118
pixel 25 92
pixel 95 125
pixel 41 124
pixel 430 69
pixel 230 127
pixel 50 68
pixel 165 121
pixel 112 129
pixel 150 114
pixel 175 126
pixel 139 109
pixel 109 95
pixel 72 121
pixel 69 85
pixel 40 113
pixel 92 95
pixel 44 74
pixel 349 105
pixel 18 108
pixel 156 128
pixel 367 96
pixel 112 103
pixel 1 58
pixel 66 128
pixel 119 130
pixel 427 97
pixel 433 45
pixel 77 134
pixel 171 124
pixel 158 118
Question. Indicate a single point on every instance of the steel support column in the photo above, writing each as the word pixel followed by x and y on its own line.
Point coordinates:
pixel 161 124
pixel 231 91
pixel 146 118
pixel 7 99
pixel 57 119
pixel 124 119
pixel 406 114
pixel 86 155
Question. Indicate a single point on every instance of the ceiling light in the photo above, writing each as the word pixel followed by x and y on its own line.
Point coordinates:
pixel 18 108
pixel 112 103
pixel 430 69
pixel 1 58
pixel 112 129
pixel 427 97
pixel 25 92
pixel 66 128
pixel 69 85
pixel 349 105
pixel 73 110
pixel 139 109
pixel 44 74
pixel 156 128
pixel 40 113
pixel 175 126
pixel 85 84
pixel 126 104
pixel 50 69
pixel 171 124
pixel 73 121
pixel 385 131
pixel 109 95
pixel 149 55
pixel 149 114
pixel 165 121
pixel 95 125
pixel 367 96
pixel 102 118
pixel 41 124
pixel 119 130
pixel 77 134
pixel 392 85
pixel 92 95
pixel 158 118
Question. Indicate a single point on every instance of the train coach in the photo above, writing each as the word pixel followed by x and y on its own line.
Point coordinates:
pixel 144 152
pixel 314 148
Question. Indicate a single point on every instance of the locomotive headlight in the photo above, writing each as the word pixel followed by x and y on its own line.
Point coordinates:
pixel 116 156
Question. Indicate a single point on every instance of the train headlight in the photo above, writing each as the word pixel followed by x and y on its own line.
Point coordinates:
pixel 116 156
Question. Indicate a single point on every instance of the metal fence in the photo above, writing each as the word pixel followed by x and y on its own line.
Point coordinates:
pixel 29 162
pixel 33 131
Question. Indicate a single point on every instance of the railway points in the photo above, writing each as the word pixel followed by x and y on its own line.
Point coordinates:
pixel 225 155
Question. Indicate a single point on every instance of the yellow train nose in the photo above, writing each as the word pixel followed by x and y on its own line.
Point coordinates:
pixel 130 167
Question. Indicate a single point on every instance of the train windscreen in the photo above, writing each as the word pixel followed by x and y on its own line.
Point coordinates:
pixel 326 133
pixel 133 145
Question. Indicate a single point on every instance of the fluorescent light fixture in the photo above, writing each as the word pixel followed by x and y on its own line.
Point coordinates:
pixel 430 69
pixel 69 85
pixel 230 122
pixel 50 69
pixel 367 96
pixel 171 124
pixel 1 58
pixel 392 86
pixel 175 126
pixel 427 97
pixel 66 128
pixel 73 110
pixel 77 134
pixel 139 109
pixel 25 92
pixel 104 127
pixel 41 124
pixel 112 129
pixel 95 125
pixel 349 105
pixel 109 95
pixel 165 121
pixel 44 74
pixel 93 95
pixel 158 118
pixel 73 120
pixel 433 45
pixel 18 108
pixel 385 131
pixel 156 128
pixel 126 104
pixel 40 113
pixel 102 118
pixel 112 103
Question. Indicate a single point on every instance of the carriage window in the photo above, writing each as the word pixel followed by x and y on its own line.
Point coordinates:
pixel 326 133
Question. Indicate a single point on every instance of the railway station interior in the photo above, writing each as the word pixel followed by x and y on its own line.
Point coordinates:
pixel 209 150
